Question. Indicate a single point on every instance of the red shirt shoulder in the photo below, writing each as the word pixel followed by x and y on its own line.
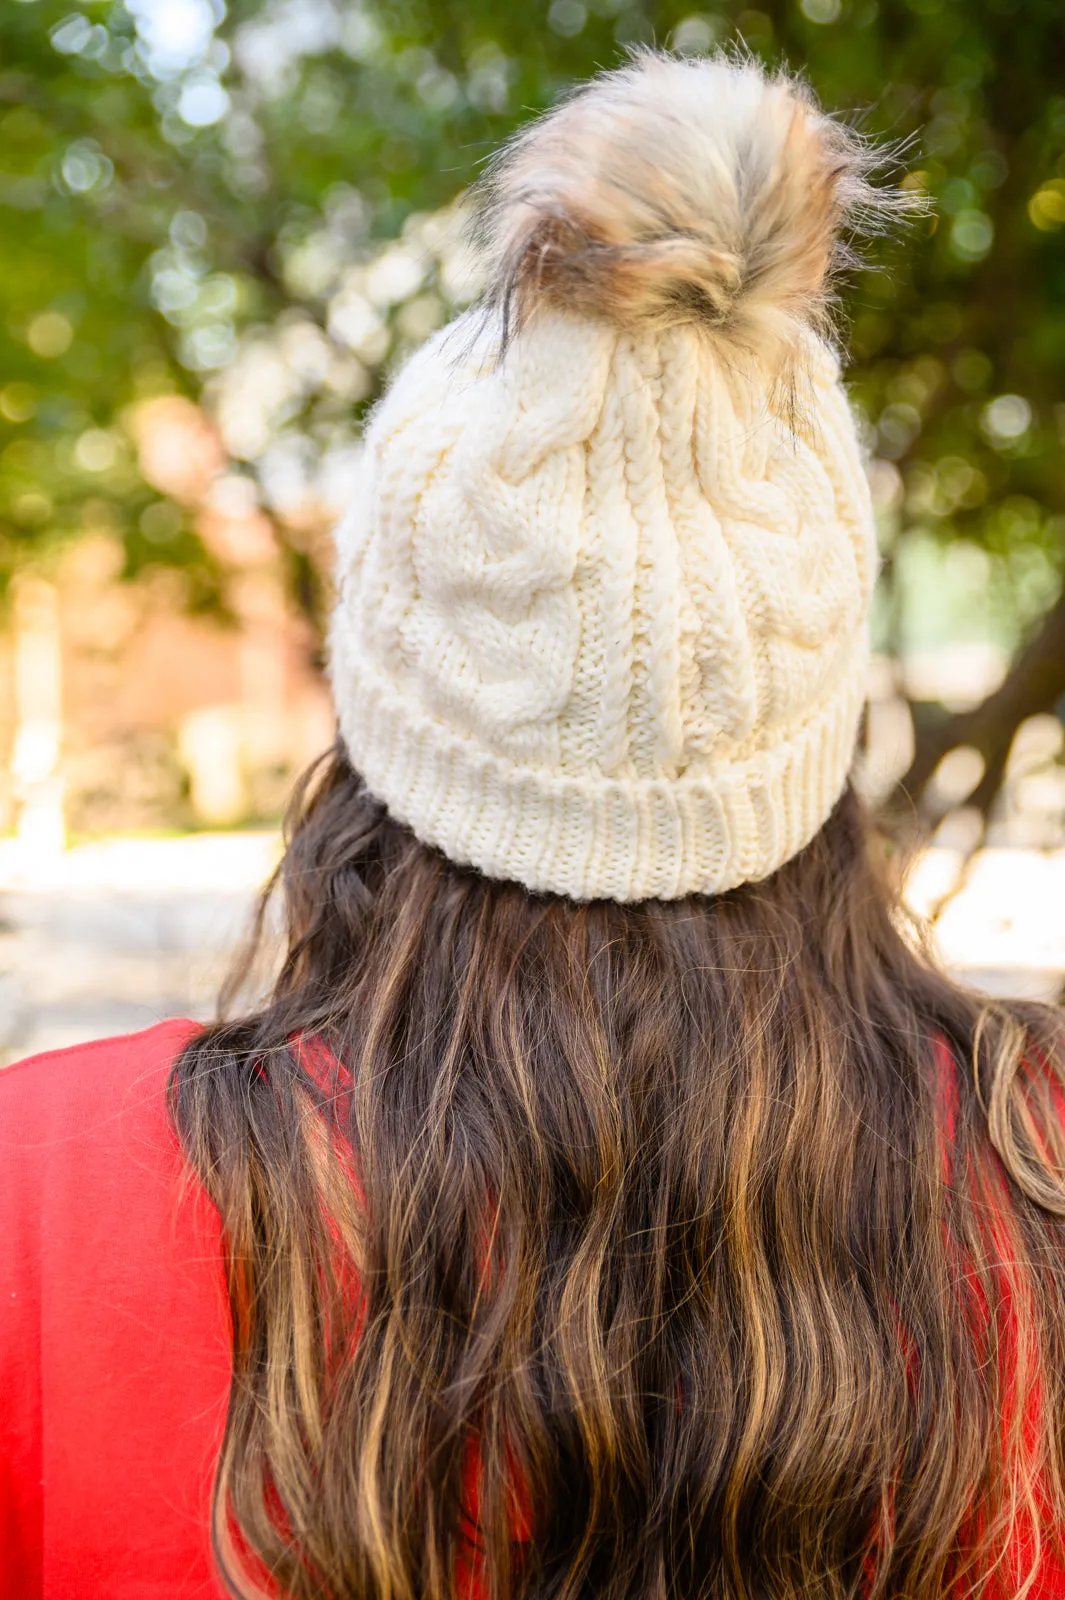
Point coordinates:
pixel 114 1330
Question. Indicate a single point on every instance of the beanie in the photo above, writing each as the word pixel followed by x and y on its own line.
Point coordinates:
pixel 604 583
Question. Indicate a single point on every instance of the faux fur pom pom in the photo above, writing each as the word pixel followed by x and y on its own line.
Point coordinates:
pixel 674 190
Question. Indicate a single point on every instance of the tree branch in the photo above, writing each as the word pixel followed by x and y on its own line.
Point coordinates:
pixel 1035 683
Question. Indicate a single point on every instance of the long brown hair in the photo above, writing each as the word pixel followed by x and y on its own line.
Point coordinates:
pixel 727 1232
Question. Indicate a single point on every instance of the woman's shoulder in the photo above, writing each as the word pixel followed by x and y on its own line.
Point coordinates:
pixel 93 1186
pixel 89 1162
pixel 53 1093
pixel 88 1123
pixel 114 1345
pixel 90 1166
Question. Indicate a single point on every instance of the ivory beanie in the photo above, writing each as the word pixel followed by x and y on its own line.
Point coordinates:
pixel 603 589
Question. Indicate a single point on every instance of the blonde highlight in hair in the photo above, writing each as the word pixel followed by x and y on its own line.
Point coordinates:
pixel 722 1236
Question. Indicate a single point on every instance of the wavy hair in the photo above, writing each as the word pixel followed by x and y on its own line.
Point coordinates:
pixel 708 1248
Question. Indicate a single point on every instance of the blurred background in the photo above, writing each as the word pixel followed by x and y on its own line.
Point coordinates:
pixel 224 225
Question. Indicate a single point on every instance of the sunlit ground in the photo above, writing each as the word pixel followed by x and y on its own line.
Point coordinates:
pixel 998 918
pixel 114 935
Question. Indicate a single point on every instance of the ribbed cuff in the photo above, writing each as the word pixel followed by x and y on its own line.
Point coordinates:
pixel 593 838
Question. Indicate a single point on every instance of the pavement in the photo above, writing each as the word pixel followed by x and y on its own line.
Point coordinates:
pixel 114 935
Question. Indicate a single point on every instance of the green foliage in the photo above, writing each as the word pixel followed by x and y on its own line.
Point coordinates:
pixel 184 185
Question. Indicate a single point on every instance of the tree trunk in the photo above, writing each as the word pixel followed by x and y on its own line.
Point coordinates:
pixel 1036 683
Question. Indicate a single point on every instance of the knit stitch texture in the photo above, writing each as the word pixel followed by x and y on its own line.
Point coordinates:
pixel 603 597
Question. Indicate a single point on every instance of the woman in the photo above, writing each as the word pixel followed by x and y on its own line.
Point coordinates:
pixel 610 1199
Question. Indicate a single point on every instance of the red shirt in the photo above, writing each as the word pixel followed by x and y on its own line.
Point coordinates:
pixel 114 1334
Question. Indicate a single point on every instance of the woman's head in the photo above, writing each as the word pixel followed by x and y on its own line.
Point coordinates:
pixel 604 586
pixel 616 1200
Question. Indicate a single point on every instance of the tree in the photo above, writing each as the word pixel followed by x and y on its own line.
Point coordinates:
pixel 250 208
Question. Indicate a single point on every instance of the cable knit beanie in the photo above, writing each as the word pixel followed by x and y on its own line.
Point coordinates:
pixel 605 581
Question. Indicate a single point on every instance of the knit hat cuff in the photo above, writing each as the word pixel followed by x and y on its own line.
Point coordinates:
pixel 616 839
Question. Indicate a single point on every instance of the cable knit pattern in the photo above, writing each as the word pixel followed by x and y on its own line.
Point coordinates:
pixel 602 602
